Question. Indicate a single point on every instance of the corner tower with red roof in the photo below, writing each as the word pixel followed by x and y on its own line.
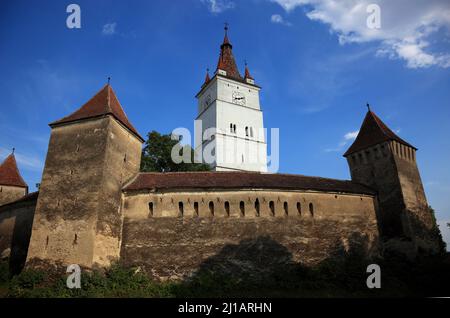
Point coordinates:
pixel 380 159
pixel 12 185
pixel 91 154
pixel 231 118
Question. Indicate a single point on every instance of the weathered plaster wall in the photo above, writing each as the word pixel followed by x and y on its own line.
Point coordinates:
pixel 9 194
pixel 170 246
pixel 77 217
pixel 16 220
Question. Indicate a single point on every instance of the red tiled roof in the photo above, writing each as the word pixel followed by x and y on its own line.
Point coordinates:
pixel 373 131
pixel 103 103
pixel 226 60
pixel 9 173
pixel 241 180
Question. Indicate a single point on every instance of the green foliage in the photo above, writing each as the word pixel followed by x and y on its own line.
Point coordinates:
pixel 332 278
pixel 4 272
pixel 156 155
pixel 443 245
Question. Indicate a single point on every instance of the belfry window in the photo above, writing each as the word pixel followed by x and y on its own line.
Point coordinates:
pixel 246 131
pixel 299 208
pixel 251 132
pixel 286 208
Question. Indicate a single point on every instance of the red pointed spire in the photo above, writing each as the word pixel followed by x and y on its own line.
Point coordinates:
pixel 247 73
pixel 207 78
pixel 373 131
pixel 103 103
pixel 9 173
pixel 226 59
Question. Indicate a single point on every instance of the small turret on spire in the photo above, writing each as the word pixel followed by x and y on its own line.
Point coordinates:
pixel 207 78
pixel 247 72
pixel 247 77
pixel 368 106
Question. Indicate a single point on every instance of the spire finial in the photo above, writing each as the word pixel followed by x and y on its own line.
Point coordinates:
pixel 368 106
pixel 226 27
pixel 245 62
pixel 109 79
pixel 14 149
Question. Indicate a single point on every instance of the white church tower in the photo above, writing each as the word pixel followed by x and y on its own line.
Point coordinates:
pixel 229 104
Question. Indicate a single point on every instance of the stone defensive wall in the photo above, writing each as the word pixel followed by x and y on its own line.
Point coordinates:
pixel 176 224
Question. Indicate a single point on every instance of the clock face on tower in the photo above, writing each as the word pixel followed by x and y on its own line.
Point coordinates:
pixel 238 98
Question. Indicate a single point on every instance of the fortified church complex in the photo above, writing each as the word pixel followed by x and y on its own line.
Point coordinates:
pixel 94 207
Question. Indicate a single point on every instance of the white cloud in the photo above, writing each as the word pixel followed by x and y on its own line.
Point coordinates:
pixel 346 139
pixel 406 26
pixel 276 18
pixel 351 135
pixel 218 6
pixel 109 28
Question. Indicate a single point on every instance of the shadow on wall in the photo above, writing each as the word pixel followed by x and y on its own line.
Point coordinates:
pixel 19 242
pixel 265 265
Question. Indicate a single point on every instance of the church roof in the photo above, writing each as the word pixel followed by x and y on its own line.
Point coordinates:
pixel 103 103
pixel 9 173
pixel 226 59
pixel 373 131
pixel 241 180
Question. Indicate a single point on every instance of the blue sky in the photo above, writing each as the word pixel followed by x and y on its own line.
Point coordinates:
pixel 316 60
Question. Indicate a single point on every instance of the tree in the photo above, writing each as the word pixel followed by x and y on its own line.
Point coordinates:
pixel 156 155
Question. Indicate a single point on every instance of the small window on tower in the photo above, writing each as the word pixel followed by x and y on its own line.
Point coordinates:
pixel 246 131
pixel 242 208
pixel 231 128
pixel 196 208
pixel 180 209
pixel 272 208
pixel 251 132
pixel 211 208
pixel 234 128
pixel 227 208
pixel 150 209
pixel 257 207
